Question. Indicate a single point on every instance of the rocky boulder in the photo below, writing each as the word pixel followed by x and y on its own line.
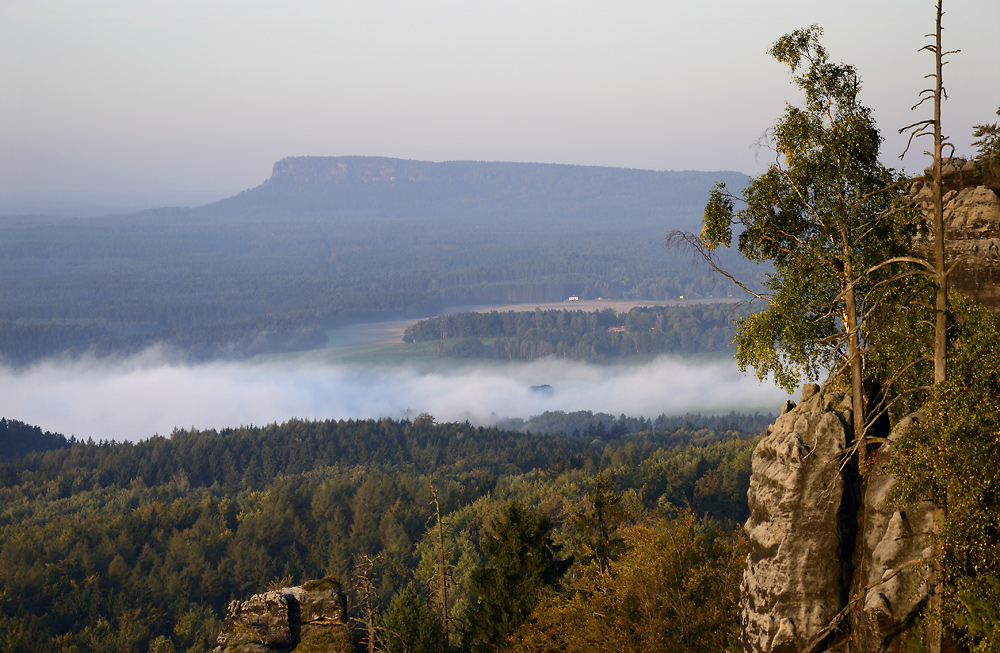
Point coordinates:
pixel 833 565
pixel 282 620
pixel 894 540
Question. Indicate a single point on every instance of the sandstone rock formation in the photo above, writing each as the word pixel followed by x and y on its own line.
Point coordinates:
pixel 794 582
pixel 831 564
pixel 972 226
pixel 893 539
pixel 286 620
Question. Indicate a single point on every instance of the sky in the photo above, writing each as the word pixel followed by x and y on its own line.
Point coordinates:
pixel 129 104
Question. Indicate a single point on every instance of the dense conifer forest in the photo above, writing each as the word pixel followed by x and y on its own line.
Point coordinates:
pixel 112 546
pixel 578 335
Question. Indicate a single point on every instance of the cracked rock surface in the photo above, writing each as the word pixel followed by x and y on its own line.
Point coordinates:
pixel 793 584
pixel 280 620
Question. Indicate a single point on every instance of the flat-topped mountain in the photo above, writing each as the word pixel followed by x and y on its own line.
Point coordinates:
pixel 547 177
pixel 570 195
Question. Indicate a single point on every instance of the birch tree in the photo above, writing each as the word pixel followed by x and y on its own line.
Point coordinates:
pixel 824 214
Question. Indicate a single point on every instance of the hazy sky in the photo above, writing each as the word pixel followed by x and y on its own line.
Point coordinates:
pixel 188 101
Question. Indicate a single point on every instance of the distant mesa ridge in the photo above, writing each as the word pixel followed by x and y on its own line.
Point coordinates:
pixel 360 187
pixel 339 169
pixel 330 241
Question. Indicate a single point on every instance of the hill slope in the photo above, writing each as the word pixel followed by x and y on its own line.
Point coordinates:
pixel 328 241
pixel 542 196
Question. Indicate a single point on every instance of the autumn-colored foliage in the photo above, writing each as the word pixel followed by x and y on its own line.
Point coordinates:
pixel 676 589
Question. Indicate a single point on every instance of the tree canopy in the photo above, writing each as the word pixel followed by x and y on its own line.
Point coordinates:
pixel 953 451
pixel 524 562
pixel 823 214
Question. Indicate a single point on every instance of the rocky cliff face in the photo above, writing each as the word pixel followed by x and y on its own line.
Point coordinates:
pixel 310 617
pixel 316 169
pixel 833 566
pixel 797 497
pixel 831 563
pixel 972 226
pixel 894 592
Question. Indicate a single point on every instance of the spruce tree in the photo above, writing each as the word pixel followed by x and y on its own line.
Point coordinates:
pixel 524 562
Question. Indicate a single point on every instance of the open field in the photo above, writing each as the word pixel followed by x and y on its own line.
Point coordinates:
pixel 620 305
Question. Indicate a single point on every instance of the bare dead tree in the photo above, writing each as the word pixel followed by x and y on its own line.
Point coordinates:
pixel 442 566
pixel 932 127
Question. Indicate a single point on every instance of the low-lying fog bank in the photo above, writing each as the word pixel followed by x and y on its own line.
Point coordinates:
pixel 134 398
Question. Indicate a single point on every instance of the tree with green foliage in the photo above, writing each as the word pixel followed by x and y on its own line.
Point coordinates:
pixel 523 563
pixel 411 625
pixel 18 439
pixel 989 141
pixel 675 589
pixel 596 536
pixel 954 451
pixel 819 214
pixel 824 214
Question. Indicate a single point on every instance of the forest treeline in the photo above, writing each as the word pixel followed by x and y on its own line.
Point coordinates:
pixel 578 335
pixel 588 424
pixel 139 546
pixel 227 298
pixel 18 439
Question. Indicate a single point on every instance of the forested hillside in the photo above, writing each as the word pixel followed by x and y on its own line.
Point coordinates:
pixel 275 267
pixel 578 335
pixel 601 425
pixel 122 547
pixel 18 439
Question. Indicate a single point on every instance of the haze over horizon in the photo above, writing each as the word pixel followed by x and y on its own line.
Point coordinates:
pixel 121 106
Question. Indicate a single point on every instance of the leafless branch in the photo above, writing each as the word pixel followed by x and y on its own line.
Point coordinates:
pixel 676 240
pixel 901 259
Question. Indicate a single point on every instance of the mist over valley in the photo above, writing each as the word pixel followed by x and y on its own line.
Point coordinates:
pixel 143 322
pixel 136 397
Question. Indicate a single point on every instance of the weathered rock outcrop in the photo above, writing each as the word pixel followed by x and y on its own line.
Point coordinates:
pixel 823 538
pixel 972 226
pixel 795 582
pixel 893 540
pixel 281 620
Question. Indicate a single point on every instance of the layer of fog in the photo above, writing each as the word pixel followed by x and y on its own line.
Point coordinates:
pixel 135 398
